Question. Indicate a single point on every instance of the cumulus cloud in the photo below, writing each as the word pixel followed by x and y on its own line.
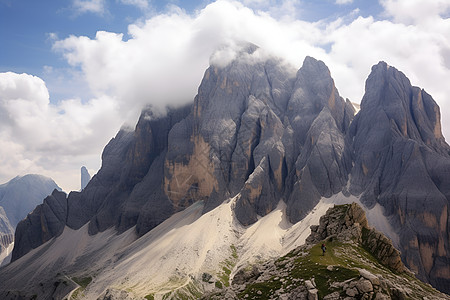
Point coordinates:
pixel 163 59
pixel 90 6
pixel 53 140
pixel 416 11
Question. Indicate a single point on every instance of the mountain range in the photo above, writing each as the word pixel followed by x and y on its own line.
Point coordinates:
pixel 237 177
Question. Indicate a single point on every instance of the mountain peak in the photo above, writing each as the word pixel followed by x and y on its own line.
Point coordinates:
pixel 85 177
pixel 408 110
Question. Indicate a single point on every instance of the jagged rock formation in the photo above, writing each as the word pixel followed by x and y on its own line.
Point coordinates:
pixel 402 162
pixel 85 177
pixel 348 269
pixel 243 134
pixel 259 130
pixel 349 223
pixel 51 217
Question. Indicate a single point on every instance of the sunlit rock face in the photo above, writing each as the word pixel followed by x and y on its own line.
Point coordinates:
pixel 263 132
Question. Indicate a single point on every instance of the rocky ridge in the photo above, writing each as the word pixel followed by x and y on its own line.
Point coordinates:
pixel 351 267
pixel 262 131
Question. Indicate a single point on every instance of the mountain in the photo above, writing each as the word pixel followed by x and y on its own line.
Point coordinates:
pixel 85 177
pixel 18 197
pixel 21 194
pixel 259 140
pixel 401 161
pixel 5 225
pixel 6 237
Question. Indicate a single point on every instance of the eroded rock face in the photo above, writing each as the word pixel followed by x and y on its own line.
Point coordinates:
pixel 262 132
pixel 349 223
pixel 401 161
pixel 46 221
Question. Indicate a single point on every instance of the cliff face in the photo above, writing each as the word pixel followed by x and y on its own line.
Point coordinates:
pixel 262 132
pixel 401 161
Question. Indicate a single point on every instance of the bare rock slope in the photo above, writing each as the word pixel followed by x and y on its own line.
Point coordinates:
pixel 359 263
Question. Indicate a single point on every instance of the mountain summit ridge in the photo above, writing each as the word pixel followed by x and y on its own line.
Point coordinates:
pixel 261 133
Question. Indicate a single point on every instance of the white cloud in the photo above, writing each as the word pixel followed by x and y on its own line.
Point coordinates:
pixel 53 140
pixel 340 2
pixel 141 4
pixel 165 57
pixel 90 6
pixel 416 11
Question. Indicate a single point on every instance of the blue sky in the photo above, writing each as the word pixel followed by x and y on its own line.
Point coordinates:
pixel 26 27
pixel 28 30
pixel 73 72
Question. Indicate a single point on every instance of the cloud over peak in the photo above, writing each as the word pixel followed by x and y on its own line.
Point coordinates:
pixel 163 61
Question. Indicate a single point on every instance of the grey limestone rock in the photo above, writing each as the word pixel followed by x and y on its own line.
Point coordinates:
pixel 401 161
pixel 85 177
pixel 45 222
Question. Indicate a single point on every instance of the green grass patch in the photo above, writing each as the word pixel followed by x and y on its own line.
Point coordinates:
pixel 77 293
pixel 234 252
pixel 227 266
pixel 261 290
pixel 188 292
pixel 150 297
pixel 314 265
pixel 82 281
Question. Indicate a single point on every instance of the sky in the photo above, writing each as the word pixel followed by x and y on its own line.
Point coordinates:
pixel 73 72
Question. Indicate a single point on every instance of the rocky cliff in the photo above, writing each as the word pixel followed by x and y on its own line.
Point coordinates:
pixel 244 133
pixel 350 268
pixel 402 162
pixel 263 132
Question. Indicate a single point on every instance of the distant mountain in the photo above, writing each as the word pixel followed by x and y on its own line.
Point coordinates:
pixel 259 140
pixel 85 177
pixel 19 196
pixel 5 225
pixel 6 236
